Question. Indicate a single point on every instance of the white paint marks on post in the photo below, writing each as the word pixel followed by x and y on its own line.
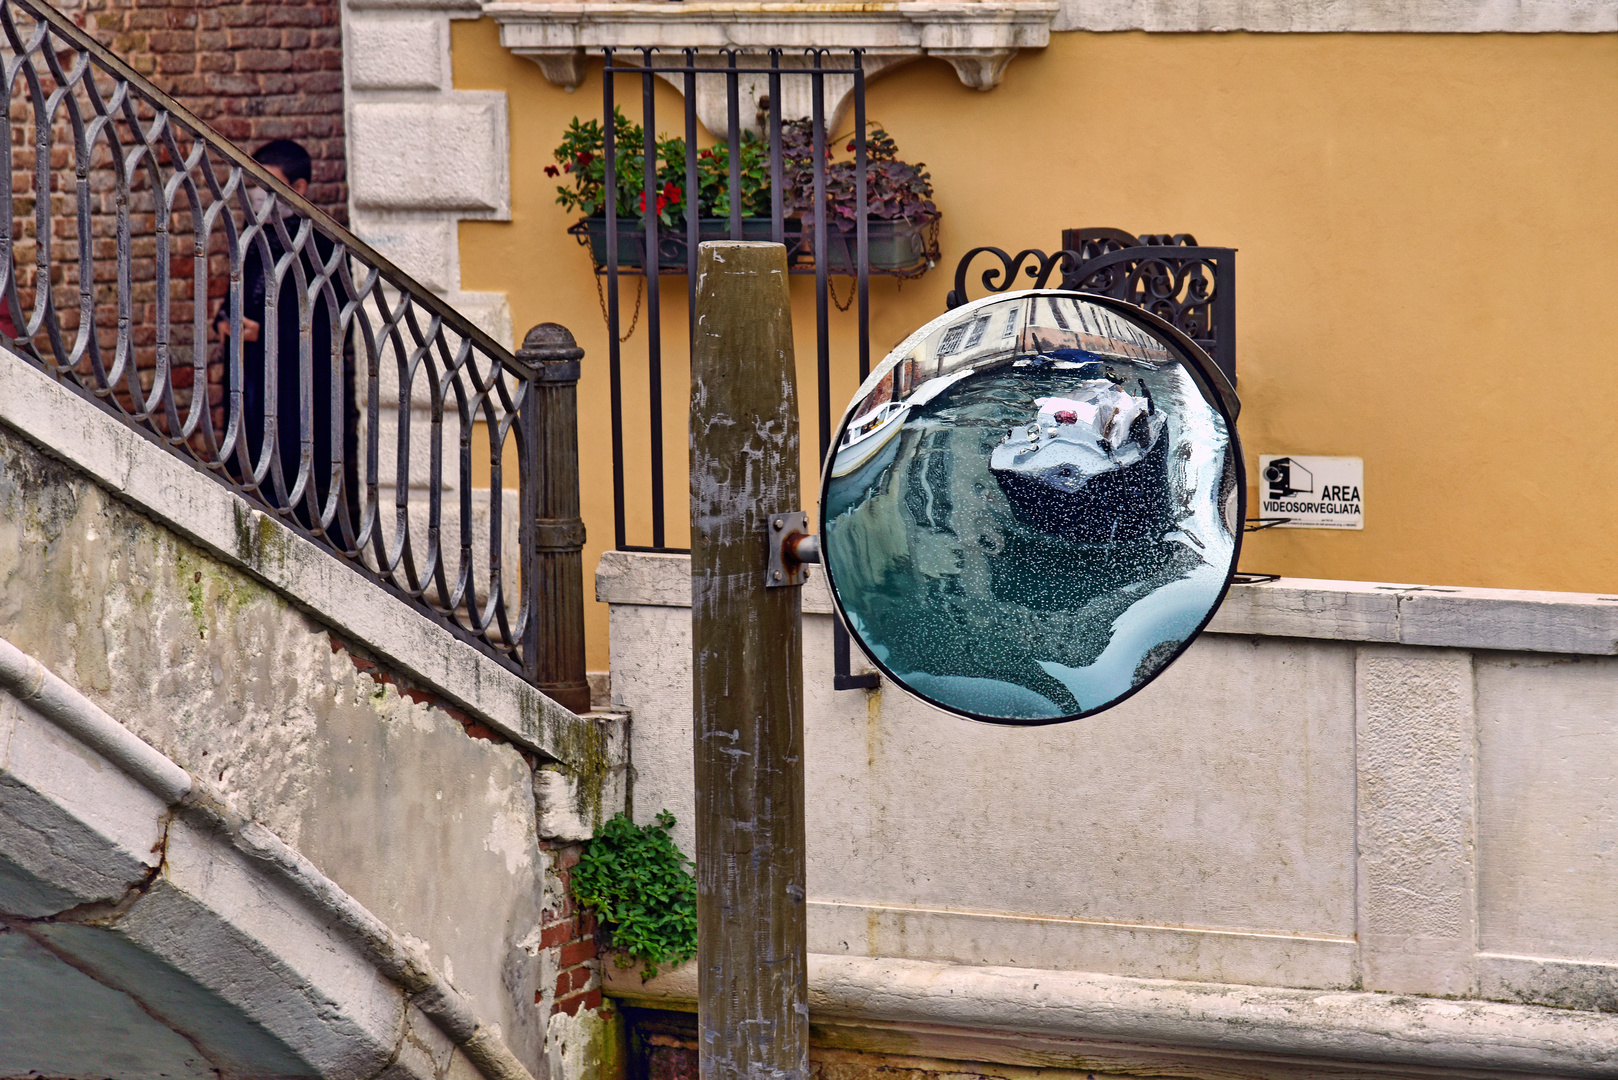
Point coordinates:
pixel 1312 492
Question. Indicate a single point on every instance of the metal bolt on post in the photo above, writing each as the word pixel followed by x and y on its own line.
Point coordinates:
pixel 552 531
pixel 747 664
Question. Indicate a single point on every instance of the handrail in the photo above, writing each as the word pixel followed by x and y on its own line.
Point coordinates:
pixel 181 286
pixel 395 276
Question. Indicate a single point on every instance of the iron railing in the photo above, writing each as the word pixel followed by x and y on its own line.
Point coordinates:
pixel 1191 286
pixel 801 207
pixel 797 215
pixel 368 415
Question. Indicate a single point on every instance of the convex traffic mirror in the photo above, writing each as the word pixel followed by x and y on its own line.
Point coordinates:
pixel 1033 505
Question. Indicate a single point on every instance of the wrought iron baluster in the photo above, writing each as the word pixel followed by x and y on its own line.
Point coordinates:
pixel 139 168
pixel 609 144
pixel 817 121
pixel 650 265
pixel 734 143
pixel 693 192
pixel 777 182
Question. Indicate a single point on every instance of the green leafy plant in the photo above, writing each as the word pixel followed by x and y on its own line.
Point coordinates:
pixel 581 155
pixel 639 885
pixel 753 175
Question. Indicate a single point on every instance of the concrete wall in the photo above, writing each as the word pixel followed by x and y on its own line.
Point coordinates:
pixel 1341 785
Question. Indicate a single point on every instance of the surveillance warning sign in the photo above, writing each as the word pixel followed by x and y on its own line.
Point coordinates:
pixel 1312 492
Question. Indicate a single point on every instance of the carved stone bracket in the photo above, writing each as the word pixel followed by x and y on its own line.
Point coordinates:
pixel 978 38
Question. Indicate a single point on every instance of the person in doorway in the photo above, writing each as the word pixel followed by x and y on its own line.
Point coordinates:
pixel 290 163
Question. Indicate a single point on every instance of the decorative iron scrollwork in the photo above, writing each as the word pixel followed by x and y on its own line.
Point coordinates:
pixel 1172 276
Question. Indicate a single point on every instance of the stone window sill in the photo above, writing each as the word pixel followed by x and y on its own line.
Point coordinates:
pixel 977 37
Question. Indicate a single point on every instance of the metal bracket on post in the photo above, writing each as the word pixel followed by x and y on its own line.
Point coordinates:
pixel 791 547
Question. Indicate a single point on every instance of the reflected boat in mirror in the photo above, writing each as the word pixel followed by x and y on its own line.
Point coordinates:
pixel 1092 466
pixel 868 435
pixel 1033 506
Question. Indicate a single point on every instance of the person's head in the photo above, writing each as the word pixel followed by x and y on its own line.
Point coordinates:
pixel 288 161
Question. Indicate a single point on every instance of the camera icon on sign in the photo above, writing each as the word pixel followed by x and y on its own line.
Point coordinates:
pixel 1287 477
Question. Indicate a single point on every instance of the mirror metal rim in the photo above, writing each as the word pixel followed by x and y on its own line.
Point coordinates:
pixel 1216 389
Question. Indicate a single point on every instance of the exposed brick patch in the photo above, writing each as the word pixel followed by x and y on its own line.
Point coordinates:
pixel 410 691
pixel 255 71
pixel 569 934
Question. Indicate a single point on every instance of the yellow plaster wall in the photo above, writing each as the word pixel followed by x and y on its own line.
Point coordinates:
pixel 1423 279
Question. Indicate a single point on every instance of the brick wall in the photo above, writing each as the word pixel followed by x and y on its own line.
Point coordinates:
pixel 254 71
pixel 568 936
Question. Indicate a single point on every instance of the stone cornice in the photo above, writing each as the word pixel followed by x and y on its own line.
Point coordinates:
pixel 977 37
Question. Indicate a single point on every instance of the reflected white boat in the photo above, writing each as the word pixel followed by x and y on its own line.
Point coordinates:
pixel 867 435
pixel 1090 466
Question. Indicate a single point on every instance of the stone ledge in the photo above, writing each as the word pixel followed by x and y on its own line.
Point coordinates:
pixel 1064 1017
pixel 193 505
pixel 1511 620
pixel 978 38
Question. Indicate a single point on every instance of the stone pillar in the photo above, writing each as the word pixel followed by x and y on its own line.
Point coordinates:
pixel 1417 834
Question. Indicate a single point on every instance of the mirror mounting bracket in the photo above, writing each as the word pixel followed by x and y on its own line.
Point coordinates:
pixel 792 546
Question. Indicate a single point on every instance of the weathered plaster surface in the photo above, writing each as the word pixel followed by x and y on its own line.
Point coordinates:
pixel 430 829
pixel 1547 743
pixel 1414 740
pixel 194 507
pixel 1348 785
pixel 146 929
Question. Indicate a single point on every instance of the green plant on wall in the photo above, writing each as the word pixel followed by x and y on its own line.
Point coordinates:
pixel 639 885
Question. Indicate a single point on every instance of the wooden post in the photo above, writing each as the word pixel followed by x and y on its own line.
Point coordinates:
pixel 747 673
pixel 553 533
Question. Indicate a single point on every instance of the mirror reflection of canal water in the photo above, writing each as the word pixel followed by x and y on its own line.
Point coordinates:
pixel 1031 509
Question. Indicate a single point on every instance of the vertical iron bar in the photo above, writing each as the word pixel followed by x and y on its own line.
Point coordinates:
pixel 693 209
pixel 822 256
pixel 862 229
pixel 842 676
pixel 609 148
pixel 734 123
pixel 777 192
pixel 650 265
pixel 1224 312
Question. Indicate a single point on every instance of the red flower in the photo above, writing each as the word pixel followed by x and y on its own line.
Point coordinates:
pixel 705 153
pixel 585 157
pixel 661 203
pixel 671 193
pixel 551 170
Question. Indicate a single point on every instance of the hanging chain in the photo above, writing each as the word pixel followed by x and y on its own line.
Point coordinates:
pixel 831 290
pixel 640 289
